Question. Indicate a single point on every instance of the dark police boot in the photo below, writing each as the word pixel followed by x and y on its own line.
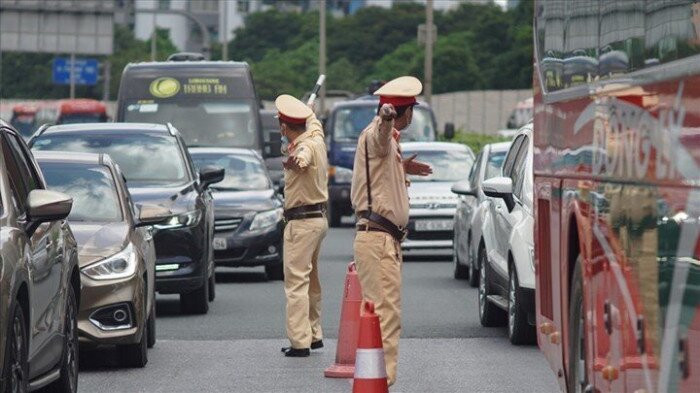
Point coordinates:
pixel 296 353
pixel 317 344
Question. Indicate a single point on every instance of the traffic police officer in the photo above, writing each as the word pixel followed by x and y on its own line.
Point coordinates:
pixel 380 199
pixel 305 198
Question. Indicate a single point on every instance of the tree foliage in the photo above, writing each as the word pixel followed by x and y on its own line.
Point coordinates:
pixel 479 46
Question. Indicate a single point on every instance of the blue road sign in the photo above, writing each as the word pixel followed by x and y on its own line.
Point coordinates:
pixel 85 71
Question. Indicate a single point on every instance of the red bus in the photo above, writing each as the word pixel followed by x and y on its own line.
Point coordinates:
pixel 81 110
pixel 617 193
pixel 24 119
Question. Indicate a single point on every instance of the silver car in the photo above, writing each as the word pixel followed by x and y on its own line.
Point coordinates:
pixel 471 210
pixel 432 204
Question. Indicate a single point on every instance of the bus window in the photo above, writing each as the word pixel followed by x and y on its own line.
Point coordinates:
pixel 673 30
pixel 550 36
pixel 621 37
pixel 581 42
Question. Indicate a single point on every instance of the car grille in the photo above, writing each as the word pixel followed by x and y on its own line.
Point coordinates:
pixel 433 205
pixel 227 224
pixel 441 235
pixel 233 254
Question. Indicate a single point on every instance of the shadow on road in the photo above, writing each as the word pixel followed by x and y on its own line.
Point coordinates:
pixel 232 276
pixel 99 359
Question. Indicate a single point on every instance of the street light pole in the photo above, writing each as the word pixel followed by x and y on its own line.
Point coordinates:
pixel 153 38
pixel 322 53
pixel 224 49
pixel 428 65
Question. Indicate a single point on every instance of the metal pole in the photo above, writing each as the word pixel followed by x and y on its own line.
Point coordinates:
pixel 72 76
pixel 428 66
pixel 153 38
pixel 224 49
pixel 107 80
pixel 322 53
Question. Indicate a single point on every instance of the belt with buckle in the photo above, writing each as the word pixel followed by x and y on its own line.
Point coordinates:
pixel 398 233
pixel 305 211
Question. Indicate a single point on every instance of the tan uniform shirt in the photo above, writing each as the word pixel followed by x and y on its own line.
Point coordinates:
pixel 388 179
pixel 309 185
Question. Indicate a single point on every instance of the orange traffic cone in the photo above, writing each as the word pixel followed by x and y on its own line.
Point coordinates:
pixel 348 331
pixel 370 369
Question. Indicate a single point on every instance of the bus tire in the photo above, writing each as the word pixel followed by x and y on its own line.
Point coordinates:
pixel 577 334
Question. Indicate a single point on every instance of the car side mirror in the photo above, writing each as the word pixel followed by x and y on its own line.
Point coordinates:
pixel 46 205
pixel 500 187
pixel 210 174
pixel 463 188
pixel 275 144
pixel 449 131
pixel 152 215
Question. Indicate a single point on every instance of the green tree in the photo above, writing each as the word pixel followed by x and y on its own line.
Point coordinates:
pixel 291 72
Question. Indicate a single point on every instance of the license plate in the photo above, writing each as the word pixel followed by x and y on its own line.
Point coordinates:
pixel 220 243
pixel 434 225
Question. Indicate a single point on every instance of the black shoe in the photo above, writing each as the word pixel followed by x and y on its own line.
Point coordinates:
pixel 296 353
pixel 317 344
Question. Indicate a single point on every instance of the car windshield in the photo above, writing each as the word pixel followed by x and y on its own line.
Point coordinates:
pixel 242 172
pixel 448 166
pixel 228 123
pixel 92 188
pixel 144 158
pixel 82 118
pixel 494 164
pixel 25 124
pixel 349 123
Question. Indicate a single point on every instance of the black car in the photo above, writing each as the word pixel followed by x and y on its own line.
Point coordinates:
pixel 248 211
pixel 159 171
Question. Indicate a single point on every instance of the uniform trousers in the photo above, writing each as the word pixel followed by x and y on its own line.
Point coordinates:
pixel 378 260
pixel 302 244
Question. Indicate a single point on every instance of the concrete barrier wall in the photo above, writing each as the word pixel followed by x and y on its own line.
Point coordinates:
pixel 482 111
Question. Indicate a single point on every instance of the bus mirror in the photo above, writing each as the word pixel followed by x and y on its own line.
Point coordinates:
pixel 449 131
pixel 275 144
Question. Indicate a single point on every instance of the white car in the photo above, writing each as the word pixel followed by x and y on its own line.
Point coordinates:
pixel 472 209
pixel 432 204
pixel 507 274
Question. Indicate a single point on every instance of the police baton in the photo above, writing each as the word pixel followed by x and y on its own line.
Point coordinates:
pixel 316 89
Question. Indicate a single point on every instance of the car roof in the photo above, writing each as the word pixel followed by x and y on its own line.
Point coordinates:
pixel 436 146
pixel 499 147
pixel 187 64
pixel 102 127
pixel 222 150
pixel 72 157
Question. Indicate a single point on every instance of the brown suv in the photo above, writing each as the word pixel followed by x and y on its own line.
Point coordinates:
pixel 116 253
pixel 39 277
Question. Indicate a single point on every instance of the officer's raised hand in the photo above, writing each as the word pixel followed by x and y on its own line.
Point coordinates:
pixel 387 112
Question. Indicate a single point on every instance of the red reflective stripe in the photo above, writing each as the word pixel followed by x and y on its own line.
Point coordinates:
pixel 288 119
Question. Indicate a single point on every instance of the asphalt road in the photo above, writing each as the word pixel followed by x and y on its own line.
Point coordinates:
pixel 236 347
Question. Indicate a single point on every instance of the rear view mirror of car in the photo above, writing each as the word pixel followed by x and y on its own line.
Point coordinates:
pixel 209 175
pixel 463 188
pixel 45 205
pixel 500 187
pixel 152 214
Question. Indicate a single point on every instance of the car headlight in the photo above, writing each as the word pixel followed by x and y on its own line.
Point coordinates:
pixel 188 219
pixel 266 219
pixel 341 175
pixel 119 265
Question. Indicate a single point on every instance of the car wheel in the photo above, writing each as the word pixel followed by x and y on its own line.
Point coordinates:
pixel 275 271
pixel 334 216
pixel 519 330
pixel 576 370
pixel 472 266
pixel 489 314
pixel 461 272
pixel 15 372
pixel 68 380
pixel 197 301
pixel 135 355
pixel 212 287
pixel 152 326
